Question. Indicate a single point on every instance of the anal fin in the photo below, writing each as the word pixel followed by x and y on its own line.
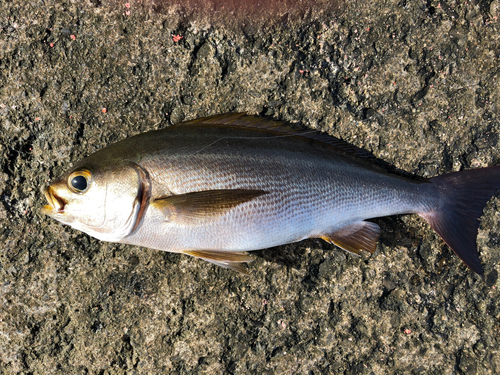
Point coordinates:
pixel 357 237
pixel 233 260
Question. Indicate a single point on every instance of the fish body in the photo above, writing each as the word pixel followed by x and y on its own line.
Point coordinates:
pixel 217 187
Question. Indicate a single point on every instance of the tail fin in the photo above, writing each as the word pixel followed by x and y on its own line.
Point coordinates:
pixel 463 197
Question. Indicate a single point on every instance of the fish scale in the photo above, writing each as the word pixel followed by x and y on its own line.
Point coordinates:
pixel 322 200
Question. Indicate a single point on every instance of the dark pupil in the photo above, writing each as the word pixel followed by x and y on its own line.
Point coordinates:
pixel 79 183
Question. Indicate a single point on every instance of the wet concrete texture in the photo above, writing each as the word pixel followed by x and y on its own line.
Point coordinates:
pixel 414 82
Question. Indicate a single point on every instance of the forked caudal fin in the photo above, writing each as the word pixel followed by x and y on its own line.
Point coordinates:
pixel 463 197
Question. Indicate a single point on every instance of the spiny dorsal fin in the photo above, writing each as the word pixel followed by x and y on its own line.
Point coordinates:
pixel 277 128
pixel 233 260
pixel 357 237
pixel 193 207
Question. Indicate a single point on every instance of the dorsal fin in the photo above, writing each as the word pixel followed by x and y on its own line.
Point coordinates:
pixel 277 128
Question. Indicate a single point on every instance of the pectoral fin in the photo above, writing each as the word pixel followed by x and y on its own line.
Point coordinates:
pixel 228 259
pixel 357 237
pixel 193 207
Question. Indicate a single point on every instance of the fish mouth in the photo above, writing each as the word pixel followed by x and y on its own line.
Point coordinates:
pixel 56 203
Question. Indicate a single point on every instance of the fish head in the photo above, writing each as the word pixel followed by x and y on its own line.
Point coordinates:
pixel 104 202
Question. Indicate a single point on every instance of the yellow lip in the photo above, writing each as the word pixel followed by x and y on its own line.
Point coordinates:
pixel 56 203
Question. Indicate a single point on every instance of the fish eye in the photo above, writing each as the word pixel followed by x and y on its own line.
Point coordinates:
pixel 79 181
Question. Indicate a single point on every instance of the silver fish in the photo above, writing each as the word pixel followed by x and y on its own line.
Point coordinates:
pixel 217 187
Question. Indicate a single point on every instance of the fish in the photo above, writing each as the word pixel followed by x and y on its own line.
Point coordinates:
pixel 218 187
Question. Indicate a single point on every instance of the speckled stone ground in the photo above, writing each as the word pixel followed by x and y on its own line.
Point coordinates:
pixel 414 82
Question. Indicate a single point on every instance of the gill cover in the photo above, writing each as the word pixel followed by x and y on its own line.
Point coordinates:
pixel 106 203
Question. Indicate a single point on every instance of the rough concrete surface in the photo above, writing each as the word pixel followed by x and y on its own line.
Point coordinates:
pixel 414 82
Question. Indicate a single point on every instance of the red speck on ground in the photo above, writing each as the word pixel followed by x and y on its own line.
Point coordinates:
pixel 104 110
pixel 51 45
pixel 72 37
pixel 407 331
pixel 127 5
pixel 176 38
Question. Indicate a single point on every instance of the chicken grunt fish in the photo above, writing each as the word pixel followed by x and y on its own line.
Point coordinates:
pixel 217 187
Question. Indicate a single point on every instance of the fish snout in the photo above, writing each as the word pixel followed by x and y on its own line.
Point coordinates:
pixel 55 205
